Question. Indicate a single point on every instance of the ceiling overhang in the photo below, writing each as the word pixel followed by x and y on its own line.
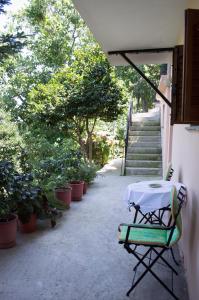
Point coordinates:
pixel 134 25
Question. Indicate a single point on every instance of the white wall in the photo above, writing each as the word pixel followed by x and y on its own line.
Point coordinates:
pixel 185 161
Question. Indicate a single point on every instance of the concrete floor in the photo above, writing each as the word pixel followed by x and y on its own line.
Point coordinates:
pixel 81 258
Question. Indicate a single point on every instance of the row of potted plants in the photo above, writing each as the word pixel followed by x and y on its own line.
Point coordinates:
pixel 22 201
pixel 75 189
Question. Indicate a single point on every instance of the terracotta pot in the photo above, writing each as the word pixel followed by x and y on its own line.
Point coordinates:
pixel 77 190
pixel 29 227
pixel 64 195
pixel 85 187
pixel 8 232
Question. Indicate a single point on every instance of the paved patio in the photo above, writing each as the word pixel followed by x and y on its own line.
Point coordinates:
pixel 81 258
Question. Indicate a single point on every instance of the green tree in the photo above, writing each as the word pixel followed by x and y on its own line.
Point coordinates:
pixel 10 44
pixel 78 96
pixel 54 30
pixel 10 140
pixel 138 88
pixel 57 29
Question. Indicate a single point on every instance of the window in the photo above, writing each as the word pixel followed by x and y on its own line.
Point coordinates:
pixel 176 103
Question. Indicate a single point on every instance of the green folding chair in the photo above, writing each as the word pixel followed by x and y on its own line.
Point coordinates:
pixel 157 240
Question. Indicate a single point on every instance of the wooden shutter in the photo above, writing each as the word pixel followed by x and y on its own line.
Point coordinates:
pixel 191 67
pixel 176 101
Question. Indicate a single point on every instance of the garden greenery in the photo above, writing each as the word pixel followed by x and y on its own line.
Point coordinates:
pixel 56 96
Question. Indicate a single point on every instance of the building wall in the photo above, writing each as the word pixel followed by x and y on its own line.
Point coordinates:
pixel 185 161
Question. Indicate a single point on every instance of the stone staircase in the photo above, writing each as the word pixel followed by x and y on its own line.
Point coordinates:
pixel 144 152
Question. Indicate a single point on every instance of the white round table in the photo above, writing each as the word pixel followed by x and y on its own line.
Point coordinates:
pixel 149 198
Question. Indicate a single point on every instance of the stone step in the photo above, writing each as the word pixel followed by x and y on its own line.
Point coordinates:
pixel 144 153
pixel 144 127
pixel 144 144
pixel 144 132
pixel 143 150
pixel 143 163
pixel 144 138
pixel 135 156
pixel 146 123
pixel 144 171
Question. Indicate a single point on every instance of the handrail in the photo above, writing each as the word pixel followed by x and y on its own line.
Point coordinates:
pixel 129 121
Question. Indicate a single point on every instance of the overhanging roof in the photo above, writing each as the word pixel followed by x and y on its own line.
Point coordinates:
pixel 134 24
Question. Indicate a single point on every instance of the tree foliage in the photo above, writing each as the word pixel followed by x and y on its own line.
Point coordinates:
pixel 78 95
pixel 140 91
pixel 54 31
pixel 10 141
pixel 61 85
pixel 10 44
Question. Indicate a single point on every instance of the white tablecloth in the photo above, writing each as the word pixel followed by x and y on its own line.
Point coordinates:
pixel 149 198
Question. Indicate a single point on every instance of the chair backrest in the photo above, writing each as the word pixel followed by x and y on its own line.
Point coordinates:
pixel 169 172
pixel 176 202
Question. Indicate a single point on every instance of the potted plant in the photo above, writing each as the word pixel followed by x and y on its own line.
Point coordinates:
pixel 64 194
pixel 53 181
pixel 28 199
pixel 8 220
pixel 61 189
pixel 77 185
pixel 87 173
pixel 32 203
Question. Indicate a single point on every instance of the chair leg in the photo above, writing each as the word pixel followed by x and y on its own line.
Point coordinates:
pixel 142 262
pixel 142 258
pixel 135 217
pixel 148 269
pixel 174 259
pixel 166 262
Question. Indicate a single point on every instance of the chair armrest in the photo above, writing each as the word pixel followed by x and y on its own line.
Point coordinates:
pixel 144 226
pixel 129 226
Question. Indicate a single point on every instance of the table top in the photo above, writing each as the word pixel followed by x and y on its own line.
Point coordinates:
pixel 150 198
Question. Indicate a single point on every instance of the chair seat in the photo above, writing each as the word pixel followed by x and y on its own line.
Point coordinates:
pixel 148 235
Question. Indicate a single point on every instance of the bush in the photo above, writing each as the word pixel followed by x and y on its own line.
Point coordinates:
pixel 88 172
pixel 56 172
pixel 101 149
pixel 18 194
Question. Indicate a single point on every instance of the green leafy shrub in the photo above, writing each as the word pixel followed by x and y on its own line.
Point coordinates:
pixel 101 150
pixel 18 194
pixel 56 172
pixel 88 172
pixel 6 203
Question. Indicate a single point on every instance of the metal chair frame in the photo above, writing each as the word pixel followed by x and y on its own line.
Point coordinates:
pixel 153 248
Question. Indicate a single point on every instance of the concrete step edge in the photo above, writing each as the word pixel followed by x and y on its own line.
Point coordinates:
pixel 145 128
pixel 146 133
pixel 144 161
pixel 138 150
pixel 142 168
